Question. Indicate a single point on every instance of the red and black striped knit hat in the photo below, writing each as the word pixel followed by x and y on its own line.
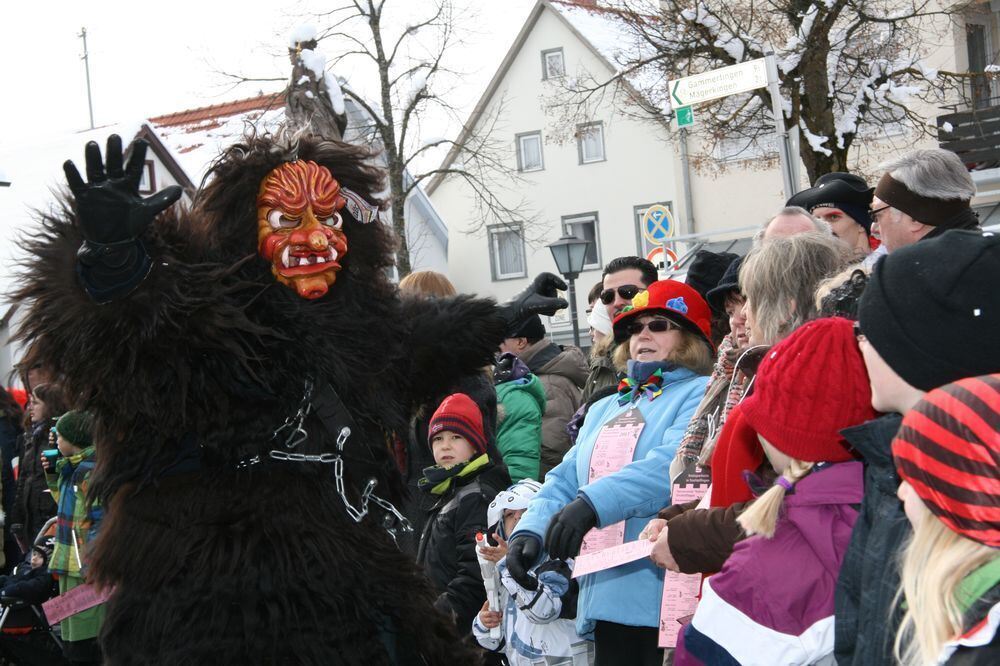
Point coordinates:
pixel 459 414
pixel 948 449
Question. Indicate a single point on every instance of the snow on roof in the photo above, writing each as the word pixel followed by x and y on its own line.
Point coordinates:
pixel 196 137
pixel 610 35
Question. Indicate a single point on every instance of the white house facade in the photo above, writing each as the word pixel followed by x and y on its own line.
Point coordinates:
pixel 593 180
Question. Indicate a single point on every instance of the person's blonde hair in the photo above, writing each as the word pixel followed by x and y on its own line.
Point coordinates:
pixel 427 283
pixel 934 563
pixel 602 347
pixel 761 517
pixel 692 353
pixel 779 279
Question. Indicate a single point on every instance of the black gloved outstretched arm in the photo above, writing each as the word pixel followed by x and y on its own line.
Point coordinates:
pixel 112 217
pixel 540 298
pixel 567 529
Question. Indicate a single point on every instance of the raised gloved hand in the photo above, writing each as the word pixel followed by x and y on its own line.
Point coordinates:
pixel 540 298
pixel 567 529
pixel 112 218
pixel 523 552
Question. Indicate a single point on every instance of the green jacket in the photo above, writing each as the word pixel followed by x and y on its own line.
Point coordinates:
pixel 519 433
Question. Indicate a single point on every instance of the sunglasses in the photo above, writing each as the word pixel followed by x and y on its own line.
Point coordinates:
pixel 654 325
pixel 626 291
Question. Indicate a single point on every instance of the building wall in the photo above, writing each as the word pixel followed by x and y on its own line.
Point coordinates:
pixel 639 170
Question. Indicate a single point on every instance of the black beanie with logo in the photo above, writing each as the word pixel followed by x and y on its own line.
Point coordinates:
pixel 932 309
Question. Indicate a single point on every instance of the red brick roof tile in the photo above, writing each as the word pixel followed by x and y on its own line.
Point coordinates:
pixel 260 102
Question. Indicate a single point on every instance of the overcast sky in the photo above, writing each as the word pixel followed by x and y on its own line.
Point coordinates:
pixel 150 59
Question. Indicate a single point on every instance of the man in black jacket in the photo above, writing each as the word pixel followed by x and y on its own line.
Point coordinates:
pixel 928 317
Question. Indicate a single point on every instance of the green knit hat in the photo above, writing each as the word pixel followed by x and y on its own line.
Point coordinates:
pixel 74 427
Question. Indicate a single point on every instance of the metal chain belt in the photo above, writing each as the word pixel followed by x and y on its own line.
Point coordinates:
pixel 294 433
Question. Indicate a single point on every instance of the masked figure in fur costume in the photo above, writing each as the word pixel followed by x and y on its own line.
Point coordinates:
pixel 247 361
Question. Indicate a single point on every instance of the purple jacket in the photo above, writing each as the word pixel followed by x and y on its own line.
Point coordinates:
pixel 772 602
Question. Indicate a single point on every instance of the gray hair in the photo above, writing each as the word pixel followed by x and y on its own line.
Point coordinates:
pixel 934 173
pixel 822 226
pixel 779 280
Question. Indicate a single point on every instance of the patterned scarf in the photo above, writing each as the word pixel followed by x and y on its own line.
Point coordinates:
pixel 630 390
pixel 72 514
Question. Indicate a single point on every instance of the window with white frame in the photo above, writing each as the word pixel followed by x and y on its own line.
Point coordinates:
pixel 507 252
pixel 529 151
pixel 584 225
pixel 590 142
pixel 643 244
pixel 553 64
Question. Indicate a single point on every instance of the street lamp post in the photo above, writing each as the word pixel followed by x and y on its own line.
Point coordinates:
pixel 570 253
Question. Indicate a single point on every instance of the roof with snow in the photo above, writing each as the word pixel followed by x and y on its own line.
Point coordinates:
pixel 195 137
pixel 601 29
pixel 192 139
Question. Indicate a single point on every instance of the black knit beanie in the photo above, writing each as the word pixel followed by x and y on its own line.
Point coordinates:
pixel 531 328
pixel 75 428
pixel 707 269
pixel 932 309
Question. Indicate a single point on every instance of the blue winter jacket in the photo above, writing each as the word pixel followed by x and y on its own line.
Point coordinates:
pixel 629 594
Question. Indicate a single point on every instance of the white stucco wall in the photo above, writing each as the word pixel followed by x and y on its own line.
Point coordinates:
pixel 639 169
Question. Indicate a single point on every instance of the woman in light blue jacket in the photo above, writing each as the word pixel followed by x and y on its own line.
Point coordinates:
pixel 664 337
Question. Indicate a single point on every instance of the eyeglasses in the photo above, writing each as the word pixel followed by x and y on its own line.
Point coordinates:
pixel 654 325
pixel 873 212
pixel 626 291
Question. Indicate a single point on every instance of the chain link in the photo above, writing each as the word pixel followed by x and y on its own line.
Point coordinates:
pixel 305 457
pixel 394 523
pixel 294 426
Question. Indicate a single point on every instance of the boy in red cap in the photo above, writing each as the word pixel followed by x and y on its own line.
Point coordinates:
pixel 465 480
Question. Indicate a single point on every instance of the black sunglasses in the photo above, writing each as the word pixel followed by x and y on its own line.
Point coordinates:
pixel 655 326
pixel 626 291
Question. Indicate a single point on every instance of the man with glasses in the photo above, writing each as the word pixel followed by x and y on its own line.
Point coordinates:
pixel 922 195
pixel 623 278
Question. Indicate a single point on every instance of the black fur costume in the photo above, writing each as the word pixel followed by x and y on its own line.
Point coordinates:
pixel 218 562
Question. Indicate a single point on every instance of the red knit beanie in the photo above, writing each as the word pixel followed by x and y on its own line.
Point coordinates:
pixel 459 414
pixel 809 387
pixel 948 449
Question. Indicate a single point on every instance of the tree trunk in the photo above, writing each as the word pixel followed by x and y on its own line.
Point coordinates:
pixel 399 218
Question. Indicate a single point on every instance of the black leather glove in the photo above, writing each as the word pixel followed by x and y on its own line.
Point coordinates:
pixel 566 531
pixel 523 552
pixel 113 216
pixel 540 298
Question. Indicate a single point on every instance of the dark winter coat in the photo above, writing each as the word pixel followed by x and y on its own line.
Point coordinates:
pixel 563 372
pixel 419 457
pixel 866 621
pixel 448 544
pixel 31 585
pixel 602 374
pixel 10 432
pixel 33 504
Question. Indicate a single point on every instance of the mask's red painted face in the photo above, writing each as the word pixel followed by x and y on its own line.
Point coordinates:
pixel 299 226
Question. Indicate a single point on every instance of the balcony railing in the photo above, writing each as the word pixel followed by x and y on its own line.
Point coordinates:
pixel 974 135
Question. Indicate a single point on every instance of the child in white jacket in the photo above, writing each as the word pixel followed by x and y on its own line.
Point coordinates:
pixel 538 626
